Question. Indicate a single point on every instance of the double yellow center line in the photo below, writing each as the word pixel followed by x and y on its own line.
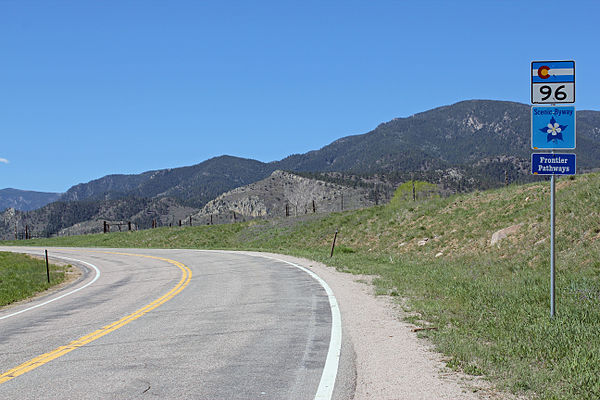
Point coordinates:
pixel 82 341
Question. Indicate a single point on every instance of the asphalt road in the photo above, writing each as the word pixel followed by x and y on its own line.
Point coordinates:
pixel 171 324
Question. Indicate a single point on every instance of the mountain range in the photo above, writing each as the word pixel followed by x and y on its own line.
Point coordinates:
pixel 475 144
pixel 25 200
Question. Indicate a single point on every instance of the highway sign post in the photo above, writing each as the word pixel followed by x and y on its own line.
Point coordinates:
pixel 552 82
pixel 552 128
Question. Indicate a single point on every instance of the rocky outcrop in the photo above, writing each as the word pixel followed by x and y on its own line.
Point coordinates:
pixel 282 194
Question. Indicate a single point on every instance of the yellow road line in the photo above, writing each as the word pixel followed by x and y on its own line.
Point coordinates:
pixel 82 341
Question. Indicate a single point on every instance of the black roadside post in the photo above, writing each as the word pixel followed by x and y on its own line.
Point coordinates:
pixel 47 267
pixel 333 244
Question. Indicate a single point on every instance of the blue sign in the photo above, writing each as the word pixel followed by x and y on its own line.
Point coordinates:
pixel 553 127
pixel 553 164
pixel 552 71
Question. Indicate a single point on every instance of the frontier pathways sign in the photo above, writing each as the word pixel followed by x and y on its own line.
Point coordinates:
pixel 553 127
pixel 552 164
pixel 552 82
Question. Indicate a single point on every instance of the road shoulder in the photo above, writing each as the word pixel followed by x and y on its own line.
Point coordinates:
pixel 389 360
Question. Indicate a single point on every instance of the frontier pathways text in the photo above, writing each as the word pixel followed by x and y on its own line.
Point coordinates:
pixel 549 164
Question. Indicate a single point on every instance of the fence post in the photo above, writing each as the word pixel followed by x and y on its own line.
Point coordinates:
pixel 47 267
pixel 314 207
pixel 333 244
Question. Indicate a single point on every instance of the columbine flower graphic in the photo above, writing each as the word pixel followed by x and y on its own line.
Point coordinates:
pixel 554 130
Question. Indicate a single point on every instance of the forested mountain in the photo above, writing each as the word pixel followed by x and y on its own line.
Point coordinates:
pixel 476 144
pixel 194 185
pixel 25 200
pixel 88 216
pixel 467 145
pixel 460 135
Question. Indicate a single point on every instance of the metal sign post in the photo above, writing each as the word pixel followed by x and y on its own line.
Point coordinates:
pixel 552 254
pixel 552 128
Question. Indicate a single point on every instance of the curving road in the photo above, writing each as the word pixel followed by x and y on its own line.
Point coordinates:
pixel 172 324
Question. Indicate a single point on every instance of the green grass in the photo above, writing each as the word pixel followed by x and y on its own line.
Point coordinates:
pixel 490 304
pixel 22 276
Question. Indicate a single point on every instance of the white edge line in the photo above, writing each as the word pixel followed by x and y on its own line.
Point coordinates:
pixel 327 383
pixel 63 295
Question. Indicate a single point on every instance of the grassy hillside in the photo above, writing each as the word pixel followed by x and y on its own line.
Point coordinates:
pixel 489 304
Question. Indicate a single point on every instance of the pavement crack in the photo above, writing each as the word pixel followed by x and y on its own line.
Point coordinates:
pixel 148 388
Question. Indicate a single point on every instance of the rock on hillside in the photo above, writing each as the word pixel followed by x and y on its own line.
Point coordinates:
pixel 269 198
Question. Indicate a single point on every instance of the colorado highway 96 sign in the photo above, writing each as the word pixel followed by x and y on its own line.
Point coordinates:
pixel 552 82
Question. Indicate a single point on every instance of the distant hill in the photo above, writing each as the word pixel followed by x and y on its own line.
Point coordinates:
pixel 194 185
pixel 88 216
pixel 25 200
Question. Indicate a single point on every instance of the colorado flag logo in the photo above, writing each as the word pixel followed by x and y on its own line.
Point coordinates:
pixel 553 71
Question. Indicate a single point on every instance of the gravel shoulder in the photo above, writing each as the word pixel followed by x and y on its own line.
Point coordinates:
pixel 388 360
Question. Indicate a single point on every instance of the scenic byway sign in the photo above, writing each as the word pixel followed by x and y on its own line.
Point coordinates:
pixel 552 164
pixel 553 127
pixel 552 82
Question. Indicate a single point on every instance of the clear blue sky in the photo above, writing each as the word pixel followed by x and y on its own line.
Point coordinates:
pixel 90 88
